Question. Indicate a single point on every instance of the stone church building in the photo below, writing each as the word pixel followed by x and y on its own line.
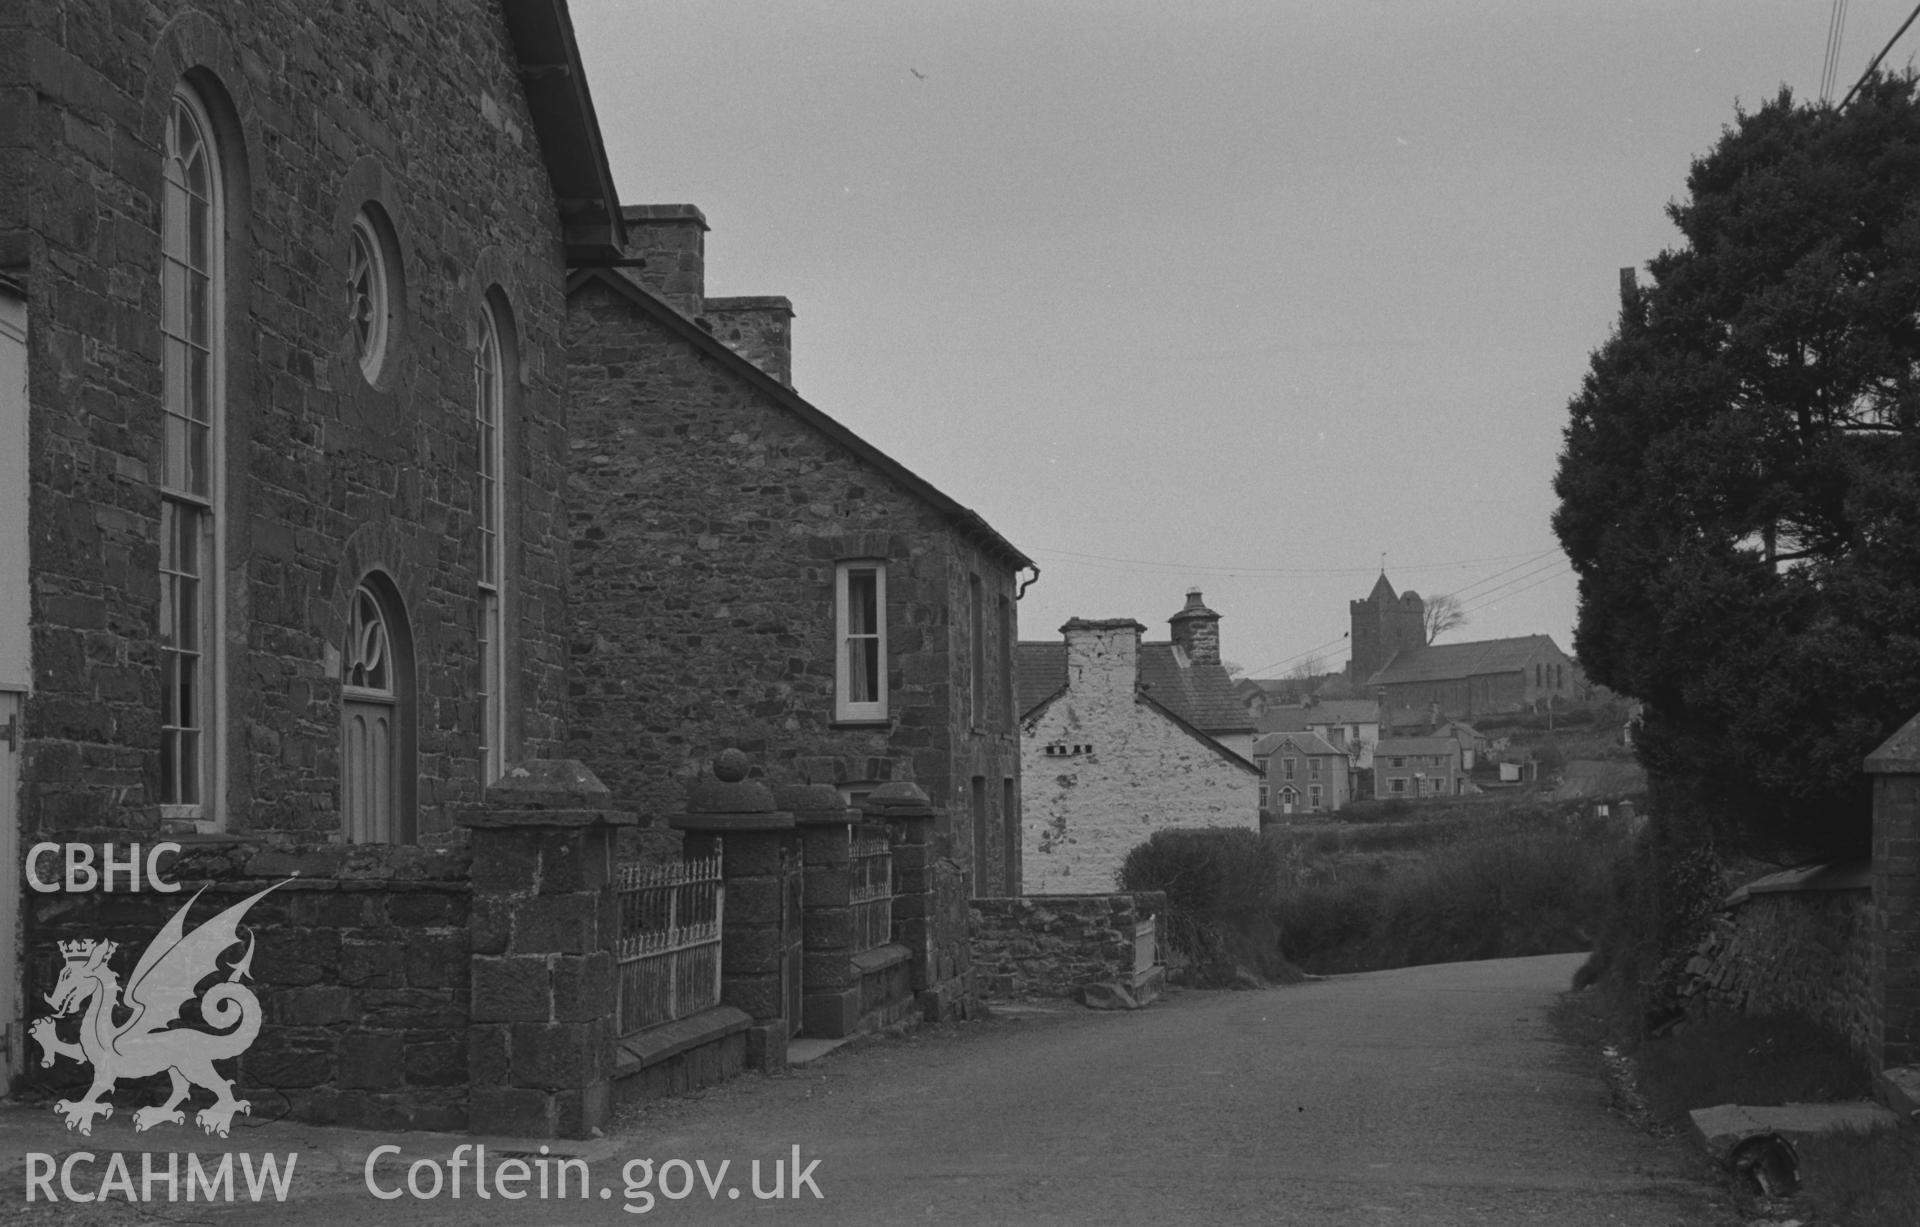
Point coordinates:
pixel 1416 682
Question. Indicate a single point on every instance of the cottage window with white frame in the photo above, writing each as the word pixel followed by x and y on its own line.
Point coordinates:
pixel 489 399
pixel 193 379
pixel 860 637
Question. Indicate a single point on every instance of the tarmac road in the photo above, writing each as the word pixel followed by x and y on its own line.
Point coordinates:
pixel 1433 1095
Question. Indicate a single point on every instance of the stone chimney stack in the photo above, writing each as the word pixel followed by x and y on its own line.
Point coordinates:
pixel 671 242
pixel 1103 659
pixel 671 239
pixel 758 329
pixel 1197 630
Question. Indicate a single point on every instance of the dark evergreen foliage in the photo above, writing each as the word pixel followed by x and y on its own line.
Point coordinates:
pixel 1740 485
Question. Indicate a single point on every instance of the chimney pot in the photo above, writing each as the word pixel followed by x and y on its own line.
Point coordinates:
pixel 1197 630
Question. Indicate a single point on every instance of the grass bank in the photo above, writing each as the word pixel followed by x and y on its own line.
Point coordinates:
pixel 1660 892
pixel 1847 1179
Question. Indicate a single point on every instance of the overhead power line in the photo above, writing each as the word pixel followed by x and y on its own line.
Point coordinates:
pixel 1830 62
pixel 1312 651
pixel 1545 579
pixel 1538 576
pixel 1876 59
pixel 1460 593
pixel 1078 558
pixel 1500 591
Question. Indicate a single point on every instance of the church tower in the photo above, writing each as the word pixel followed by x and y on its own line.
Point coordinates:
pixel 1382 625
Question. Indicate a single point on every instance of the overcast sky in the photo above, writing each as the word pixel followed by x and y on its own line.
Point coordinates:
pixel 1239 296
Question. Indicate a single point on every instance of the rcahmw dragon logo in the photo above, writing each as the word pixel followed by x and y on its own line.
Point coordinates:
pixel 146 1040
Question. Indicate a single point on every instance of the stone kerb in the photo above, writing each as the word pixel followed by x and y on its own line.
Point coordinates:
pixel 761 928
pixel 542 928
pixel 1895 767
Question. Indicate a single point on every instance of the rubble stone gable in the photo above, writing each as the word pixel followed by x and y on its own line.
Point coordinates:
pixel 319 108
pixel 706 526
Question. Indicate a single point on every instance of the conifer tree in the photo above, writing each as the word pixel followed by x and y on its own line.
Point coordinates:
pixel 1740 483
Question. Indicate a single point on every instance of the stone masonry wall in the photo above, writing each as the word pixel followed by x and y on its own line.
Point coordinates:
pixel 1051 945
pixel 1896 900
pixel 1790 952
pixel 1085 810
pixel 320 107
pixel 360 965
pixel 707 521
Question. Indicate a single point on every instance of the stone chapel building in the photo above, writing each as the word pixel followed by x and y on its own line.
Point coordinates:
pixel 285 545
pixel 294 548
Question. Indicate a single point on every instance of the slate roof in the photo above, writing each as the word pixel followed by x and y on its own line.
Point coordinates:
pixel 1200 694
pixel 1450 661
pixel 1040 670
pixel 1390 746
pixel 1198 734
pixel 1286 718
pixel 1343 711
pixel 1305 743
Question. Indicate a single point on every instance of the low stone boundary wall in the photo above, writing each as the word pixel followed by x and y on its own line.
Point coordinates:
pixel 1056 945
pixel 360 966
pixel 886 986
pixel 1798 942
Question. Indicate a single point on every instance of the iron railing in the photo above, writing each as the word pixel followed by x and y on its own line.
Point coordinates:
pixel 668 951
pixel 870 893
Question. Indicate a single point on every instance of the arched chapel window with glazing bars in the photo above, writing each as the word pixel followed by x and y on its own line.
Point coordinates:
pixel 192 364
pixel 489 397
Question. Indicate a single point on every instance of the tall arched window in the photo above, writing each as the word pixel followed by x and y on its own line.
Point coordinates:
pixel 489 401
pixel 193 380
